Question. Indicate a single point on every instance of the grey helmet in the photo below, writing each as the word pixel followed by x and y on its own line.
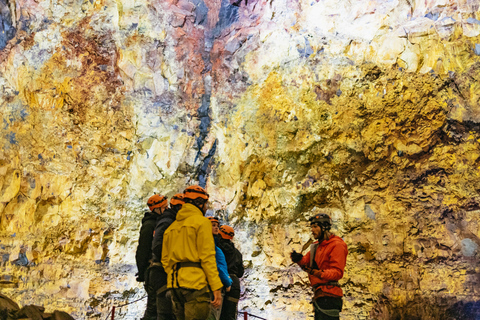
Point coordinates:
pixel 322 220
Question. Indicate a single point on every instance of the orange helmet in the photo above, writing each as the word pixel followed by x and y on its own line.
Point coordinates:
pixel 213 219
pixel 157 201
pixel 177 199
pixel 194 192
pixel 227 232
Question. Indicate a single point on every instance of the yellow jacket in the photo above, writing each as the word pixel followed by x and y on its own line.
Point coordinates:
pixel 189 239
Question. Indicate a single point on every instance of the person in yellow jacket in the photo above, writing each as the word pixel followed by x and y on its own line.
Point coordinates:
pixel 188 256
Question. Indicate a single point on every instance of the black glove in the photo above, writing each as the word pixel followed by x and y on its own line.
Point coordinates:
pixel 296 257
pixel 139 279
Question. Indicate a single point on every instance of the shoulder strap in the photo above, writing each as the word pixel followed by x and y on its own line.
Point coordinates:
pixel 313 250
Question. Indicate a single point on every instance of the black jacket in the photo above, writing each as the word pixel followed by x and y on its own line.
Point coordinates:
pixel 165 220
pixel 233 256
pixel 144 249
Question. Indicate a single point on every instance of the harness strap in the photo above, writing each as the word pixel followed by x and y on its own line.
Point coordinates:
pixel 334 313
pixel 232 299
pixel 328 284
pixel 185 264
pixel 162 289
pixel 313 251
pixel 189 264
pixel 155 264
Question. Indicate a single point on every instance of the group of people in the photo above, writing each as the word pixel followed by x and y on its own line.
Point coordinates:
pixel 191 268
pixel 188 262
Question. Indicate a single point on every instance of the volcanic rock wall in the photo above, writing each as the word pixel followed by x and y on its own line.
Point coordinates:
pixel 367 110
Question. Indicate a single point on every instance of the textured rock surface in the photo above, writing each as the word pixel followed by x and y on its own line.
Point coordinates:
pixel 368 110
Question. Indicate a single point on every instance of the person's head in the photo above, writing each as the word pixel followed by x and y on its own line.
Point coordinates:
pixel 215 224
pixel 197 196
pixel 176 202
pixel 320 224
pixel 157 203
pixel 227 232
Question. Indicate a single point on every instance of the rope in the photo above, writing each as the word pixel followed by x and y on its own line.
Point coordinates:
pixel 252 315
pixel 123 305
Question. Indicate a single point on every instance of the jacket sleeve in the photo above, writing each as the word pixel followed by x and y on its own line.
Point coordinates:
pixel 158 238
pixel 206 253
pixel 240 268
pixel 144 249
pixel 165 258
pixel 305 262
pixel 222 267
pixel 338 259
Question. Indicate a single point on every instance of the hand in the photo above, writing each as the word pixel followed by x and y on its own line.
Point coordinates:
pixel 296 257
pixel 307 269
pixel 217 299
pixel 313 272
pixel 228 289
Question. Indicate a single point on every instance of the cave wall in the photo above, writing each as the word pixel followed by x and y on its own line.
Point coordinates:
pixel 368 110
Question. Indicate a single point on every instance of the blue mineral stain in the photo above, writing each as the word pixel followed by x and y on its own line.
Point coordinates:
pixel 175 127
pixel 21 261
pixel 339 93
pixel 128 157
pixel 23 114
pixel 369 212
pixel 40 156
pixel 472 20
pixel 201 12
pixel 7 31
pixel 5 123
pixel 477 49
pixel 227 16
pixel 432 16
pixel 69 147
pixel 306 50
pixel 12 138
pixel 14 235
pixel 469 247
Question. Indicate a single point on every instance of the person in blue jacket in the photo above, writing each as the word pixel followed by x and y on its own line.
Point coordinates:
pixel 221 266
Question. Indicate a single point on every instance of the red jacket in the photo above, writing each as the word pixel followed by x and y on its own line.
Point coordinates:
pixel 331 256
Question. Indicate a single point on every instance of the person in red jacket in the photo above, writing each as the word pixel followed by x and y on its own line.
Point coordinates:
pixel 325 264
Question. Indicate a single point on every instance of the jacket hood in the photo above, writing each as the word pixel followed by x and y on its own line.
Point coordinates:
pixel 188 210
pixel 333 238
pixel 149 215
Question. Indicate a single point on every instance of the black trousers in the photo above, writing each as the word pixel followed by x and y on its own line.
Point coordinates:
pixel 327 303
pixel 230 300
pixel 159 307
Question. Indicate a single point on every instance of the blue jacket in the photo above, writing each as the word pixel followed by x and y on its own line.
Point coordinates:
pixel 222 266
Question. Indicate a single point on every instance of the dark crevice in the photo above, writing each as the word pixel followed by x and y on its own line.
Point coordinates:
pixel 227 16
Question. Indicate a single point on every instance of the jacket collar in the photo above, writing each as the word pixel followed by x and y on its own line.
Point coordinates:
pixel 188 210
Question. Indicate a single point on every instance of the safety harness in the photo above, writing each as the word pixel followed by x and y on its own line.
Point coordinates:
pixel 180 265
pixel 186 264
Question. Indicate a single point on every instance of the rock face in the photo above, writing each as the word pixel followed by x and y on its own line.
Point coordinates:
pixel 367 110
